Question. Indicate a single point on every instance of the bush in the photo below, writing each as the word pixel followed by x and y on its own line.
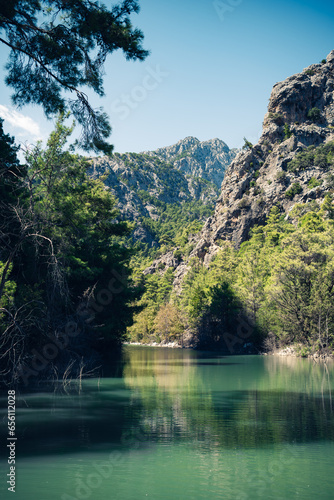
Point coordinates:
pixel 295 189
pixel 178 254
pixel 247 145
pixel 281 176
pixel 276 118
pixel 313 182
pixel 314 115
pixel 243 203
pixel 287 131
pixel 321 156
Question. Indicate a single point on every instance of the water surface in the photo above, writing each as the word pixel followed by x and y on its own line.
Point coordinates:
pixel 179 424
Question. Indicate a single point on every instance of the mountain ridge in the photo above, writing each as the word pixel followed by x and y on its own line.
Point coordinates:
pixel 187 171
pixel 300 115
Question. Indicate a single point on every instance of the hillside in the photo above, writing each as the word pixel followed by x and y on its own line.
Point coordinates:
pixel 262 266
pixel 279 169
pixel 187 174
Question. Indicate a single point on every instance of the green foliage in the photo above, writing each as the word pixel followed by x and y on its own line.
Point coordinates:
pixel 7 296
pixel 247 144
pixel 281 176
pixel 280 281
pixel 321 156
pixel 176 222
pixel 63 251
pixel 287 131
pixel 314 115
pixel 276 118
pixel 58 46
pixel 312 222
pixel 293 190
pixel 244 202
pixel 313 182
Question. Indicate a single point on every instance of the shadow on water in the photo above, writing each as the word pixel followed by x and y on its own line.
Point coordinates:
pixel 159 396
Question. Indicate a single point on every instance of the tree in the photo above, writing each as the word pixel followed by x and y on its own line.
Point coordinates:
pixel 62 260
pixel 303 290
pixel 12 191
pixel 62 45
pixel 75 221
pixel 247 145
pixel 314 115
pixel 169 323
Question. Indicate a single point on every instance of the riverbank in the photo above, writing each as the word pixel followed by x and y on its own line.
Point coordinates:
pixel 174 345
pixel 300 351
pixel 296 351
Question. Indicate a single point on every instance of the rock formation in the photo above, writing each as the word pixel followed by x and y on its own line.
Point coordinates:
pixel 189 170
pixel 300 114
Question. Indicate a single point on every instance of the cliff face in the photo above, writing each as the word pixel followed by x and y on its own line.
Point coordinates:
pixel 300 114
pixel 187 171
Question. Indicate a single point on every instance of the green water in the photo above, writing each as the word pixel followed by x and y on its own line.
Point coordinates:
pixel 178 424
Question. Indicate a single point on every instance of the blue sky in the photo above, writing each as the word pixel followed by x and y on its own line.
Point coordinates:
pixel 210 72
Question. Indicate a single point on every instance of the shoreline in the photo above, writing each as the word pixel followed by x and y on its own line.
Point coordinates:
pixel 289 351
pixel 295 352
pixel 174 345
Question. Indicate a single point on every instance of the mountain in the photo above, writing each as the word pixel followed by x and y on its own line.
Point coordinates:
pixel 289 165
pixel 146 183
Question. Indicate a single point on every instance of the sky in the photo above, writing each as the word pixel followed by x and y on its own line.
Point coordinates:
pixel 210 71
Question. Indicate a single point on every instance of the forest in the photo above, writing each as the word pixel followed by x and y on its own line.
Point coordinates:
pixel 72 282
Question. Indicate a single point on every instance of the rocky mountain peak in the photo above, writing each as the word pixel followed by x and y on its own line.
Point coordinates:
pixel 283 169
pixel 293 98
pixel 187 171
pixel 173 151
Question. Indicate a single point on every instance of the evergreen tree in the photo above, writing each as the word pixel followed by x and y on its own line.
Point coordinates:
pixel 62 45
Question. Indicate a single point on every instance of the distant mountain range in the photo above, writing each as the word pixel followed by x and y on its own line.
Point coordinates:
pixel 143 183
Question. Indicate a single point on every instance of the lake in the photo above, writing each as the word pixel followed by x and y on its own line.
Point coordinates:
pixel 179 424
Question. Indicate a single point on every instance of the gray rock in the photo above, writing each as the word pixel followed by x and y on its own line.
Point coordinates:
pixel 187 171
pixel 255 180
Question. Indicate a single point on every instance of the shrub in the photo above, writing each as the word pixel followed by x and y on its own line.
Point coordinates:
pixel 252 183
pixel 247 145
pixel 243 203
pixel 321 156
pixel 287 131
pixel 276 118
pixel 314 114
pixel 178 254
pixel 309 72
pixel 295 189
pixel 313 182
pixel 281 176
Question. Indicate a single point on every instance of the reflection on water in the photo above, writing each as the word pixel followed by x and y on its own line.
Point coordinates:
pixel 182 424
pixel 225 401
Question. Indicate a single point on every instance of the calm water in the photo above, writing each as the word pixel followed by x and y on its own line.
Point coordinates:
pixel 177 424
